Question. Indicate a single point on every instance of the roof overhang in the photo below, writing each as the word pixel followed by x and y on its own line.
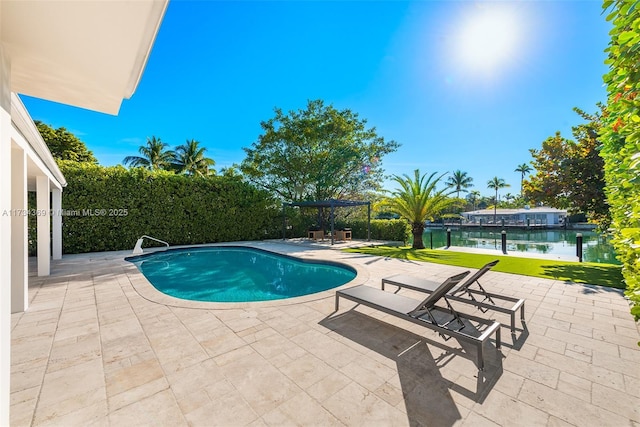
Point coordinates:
pixel 88 54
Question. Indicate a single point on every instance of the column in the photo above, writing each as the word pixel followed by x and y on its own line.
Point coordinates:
pixel 43 224
pixel 19 247
pixel 5 234
pixel 56 205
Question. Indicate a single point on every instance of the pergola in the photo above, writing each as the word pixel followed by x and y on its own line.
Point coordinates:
pixel 331 203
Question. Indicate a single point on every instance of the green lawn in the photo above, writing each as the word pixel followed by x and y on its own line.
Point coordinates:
pixel 586 272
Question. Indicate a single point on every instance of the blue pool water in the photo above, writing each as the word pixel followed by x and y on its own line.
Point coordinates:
pixel 237 274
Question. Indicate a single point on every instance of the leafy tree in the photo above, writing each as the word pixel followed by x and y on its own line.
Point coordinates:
pixel 64 145
pixel 496 184
pixel 417 200
pixel 523 169
pixel 316 154
pixel 472 198
pixel 620 136
pixel 570 174
pixel 155 156
pixel 190 159
pixel 460 181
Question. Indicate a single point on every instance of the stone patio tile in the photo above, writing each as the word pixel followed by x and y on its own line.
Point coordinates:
pixel 94 414
pixel 615 364
pixel 568 408
pixel 133 376
pixel 160 409
pixel 91 403
pixel 632 385
pixel 576 333
pixel 137 393
pixel 274 344
pixel 368 373
pixel 582 369
pixel 195 377
pixel 592 344
pixel 306 370
pixel 505 410
pixel 475 420
pixel 354 405
pixel 300 410
pixel 532 370
pixel 262 385
pixel 124 347
pixel 226 410
pixel 328 386
pixel 616 401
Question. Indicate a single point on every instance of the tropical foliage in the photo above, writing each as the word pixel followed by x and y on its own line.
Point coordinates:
pixel 64 145
pixel 155 155
pixel 496 184
pixel 317 153
pixel 620 136
pixel 570 174
pixel 191 160
pixel 524 169
pixel 459 181
pixel 418 200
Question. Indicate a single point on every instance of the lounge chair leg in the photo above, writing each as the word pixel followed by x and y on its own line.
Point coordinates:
pixel 337 302
pixel 480 357
pixel 513 322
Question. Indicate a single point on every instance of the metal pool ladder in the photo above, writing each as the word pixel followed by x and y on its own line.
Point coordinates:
pixel 138 248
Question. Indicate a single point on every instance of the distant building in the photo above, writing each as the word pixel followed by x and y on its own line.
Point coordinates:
pixel 542 216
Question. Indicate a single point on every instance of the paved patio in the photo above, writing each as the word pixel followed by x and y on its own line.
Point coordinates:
pixel 100 346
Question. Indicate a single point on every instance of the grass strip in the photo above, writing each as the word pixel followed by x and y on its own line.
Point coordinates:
pixel 608 275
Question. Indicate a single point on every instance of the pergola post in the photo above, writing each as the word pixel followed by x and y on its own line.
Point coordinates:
pixel 368 221
pixel 332 223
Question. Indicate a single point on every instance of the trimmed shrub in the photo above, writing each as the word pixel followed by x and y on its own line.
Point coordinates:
pixel 110 208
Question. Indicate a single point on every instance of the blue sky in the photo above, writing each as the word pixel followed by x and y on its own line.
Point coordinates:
pixel 459 84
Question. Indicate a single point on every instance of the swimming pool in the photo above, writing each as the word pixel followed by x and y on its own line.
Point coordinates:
pixel 238 274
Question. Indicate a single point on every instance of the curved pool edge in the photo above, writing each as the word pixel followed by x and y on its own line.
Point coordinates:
pixel 146 290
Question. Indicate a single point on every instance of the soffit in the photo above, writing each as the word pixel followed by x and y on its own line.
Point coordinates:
pixel 88 54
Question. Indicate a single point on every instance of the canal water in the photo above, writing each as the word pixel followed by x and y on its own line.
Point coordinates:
pixel 595 247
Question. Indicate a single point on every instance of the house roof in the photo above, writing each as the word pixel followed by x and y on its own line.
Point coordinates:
pixel 88 54
pixel 537 210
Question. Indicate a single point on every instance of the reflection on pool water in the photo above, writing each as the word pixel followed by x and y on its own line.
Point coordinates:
pixel 237 274
pixel 595 247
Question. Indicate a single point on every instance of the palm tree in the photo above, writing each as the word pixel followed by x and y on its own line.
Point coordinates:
pixel 190 159
pixel 496 183
pixel 460 181
pixel 155 155
pixel 523 169
pixel 418 200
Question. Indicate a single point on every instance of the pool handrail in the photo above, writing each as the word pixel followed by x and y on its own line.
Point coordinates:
pixel 137 250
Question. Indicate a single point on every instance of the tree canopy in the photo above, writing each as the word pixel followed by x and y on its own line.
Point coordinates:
pixel 570 174
pixel 64 145
pixel 317 153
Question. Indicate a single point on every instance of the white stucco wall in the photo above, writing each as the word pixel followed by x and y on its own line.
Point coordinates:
pixel 5 234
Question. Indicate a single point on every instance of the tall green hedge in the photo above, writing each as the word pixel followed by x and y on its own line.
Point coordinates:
pixel 621 140
pixel 109 208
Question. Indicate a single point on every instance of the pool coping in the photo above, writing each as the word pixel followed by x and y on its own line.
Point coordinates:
pixel 149 292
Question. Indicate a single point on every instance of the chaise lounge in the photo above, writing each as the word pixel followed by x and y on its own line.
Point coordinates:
pixel 446 321
pixel 464 294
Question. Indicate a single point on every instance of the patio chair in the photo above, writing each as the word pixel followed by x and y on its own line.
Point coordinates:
pixel 446 321
pixel 464 293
